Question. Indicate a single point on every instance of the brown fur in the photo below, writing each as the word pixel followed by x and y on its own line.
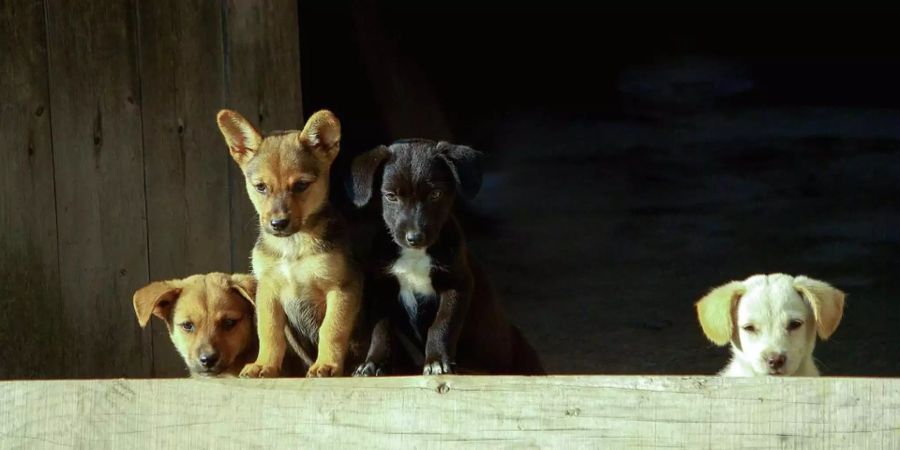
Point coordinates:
pixel 716 312
pixel 208 314
pixel 826 301
pixel 306 276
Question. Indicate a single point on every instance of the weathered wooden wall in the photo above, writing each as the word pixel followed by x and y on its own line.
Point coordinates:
pixel 114 172
pixel 455 412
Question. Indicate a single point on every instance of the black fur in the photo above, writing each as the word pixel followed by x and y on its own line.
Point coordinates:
pixel 461 323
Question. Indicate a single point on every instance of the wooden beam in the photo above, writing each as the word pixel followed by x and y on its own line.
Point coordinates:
pixel 100 205
pixel 29 296
pixel 185 158
pixel 455 412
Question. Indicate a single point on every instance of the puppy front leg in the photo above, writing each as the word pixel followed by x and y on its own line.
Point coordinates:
pixel 341 308
pixel 379 351
pixel 443 335
pixel 271 321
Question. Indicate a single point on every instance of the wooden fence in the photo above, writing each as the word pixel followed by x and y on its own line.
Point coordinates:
pixel 113 172
pixel 455 412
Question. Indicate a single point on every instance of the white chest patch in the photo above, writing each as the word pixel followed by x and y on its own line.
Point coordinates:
pixel 285 268
pixel 289 287
pixel 413 272
pixel 287 265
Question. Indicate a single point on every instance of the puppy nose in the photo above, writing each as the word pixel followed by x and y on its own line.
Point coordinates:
pixel 776 361
pixel 279 224
pixel 414 237
pixel 209 359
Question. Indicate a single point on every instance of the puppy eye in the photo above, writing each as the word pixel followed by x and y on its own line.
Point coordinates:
pixel 299 187
pixel 749 328
pixel 794 324
pixel 436 194
pixel 261 188
pixel 228 323
pixel 390 196
pixel 187 326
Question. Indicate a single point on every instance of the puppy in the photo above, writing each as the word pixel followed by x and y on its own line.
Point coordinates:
pixel 306 276
pixel 422 278
pixel 209 317
pixel 771 322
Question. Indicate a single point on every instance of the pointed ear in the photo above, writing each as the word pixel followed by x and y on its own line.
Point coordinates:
pixel 245 285
pixel 323 133
pixel 717 309
pixel 465 165
pixel 363 171
pixel 243 140
pixel 156 298
pixel 826 301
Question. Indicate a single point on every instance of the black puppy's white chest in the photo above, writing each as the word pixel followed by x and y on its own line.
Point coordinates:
pixel 413 272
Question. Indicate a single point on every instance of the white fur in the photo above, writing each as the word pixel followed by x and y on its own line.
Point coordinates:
pixel 413 272
pixel 770 303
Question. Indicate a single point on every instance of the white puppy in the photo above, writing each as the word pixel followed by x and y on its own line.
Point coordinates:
pixel 771 322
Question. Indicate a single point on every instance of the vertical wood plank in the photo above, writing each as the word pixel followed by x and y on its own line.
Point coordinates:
pixel 262 69
pixel 186 164
pixel 29 294
pixel 96 122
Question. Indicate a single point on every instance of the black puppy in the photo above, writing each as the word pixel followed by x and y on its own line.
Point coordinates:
pixel 422 280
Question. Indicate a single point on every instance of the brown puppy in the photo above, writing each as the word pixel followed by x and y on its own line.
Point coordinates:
pixel 209 317
pixel 302 259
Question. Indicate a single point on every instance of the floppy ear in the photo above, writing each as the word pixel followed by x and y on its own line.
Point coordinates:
pixel 245 285
pixel 363 173
pixel 156 298
pixel 243 140
pixel 323 133
pixel 826 301
pixel 465 165
pixel 716 311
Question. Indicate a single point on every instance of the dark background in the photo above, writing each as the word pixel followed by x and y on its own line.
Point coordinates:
pixel 639 157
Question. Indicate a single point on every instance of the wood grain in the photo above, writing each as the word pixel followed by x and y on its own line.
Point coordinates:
pixel 114 172
pixel 29 295
pixel 455 412
pixel 183 86
pixel 262 69
pixel 96 123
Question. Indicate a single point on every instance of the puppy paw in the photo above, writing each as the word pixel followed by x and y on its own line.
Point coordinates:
pixel 438 366
pixel 323 370
pixel 259 371
pixel 370 369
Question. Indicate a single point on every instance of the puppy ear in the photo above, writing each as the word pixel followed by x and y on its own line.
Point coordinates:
pixel 243 140
pixel 465 165
pixel 716 311
pixel 156 298
pixel 323 133
pixel 826 301
pixel 245 285
pixel 363 171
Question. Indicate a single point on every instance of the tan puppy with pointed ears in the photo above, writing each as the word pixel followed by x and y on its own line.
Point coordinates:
pixel 302 258
pixel 771 322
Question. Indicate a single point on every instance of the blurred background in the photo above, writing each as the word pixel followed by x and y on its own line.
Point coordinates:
pixel 640 156
pixel 636 157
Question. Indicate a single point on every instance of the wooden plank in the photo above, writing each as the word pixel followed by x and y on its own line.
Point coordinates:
pixel 96 123
pixel 455 412
pixel 262 69
pixel 186 166
pixel 29 296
